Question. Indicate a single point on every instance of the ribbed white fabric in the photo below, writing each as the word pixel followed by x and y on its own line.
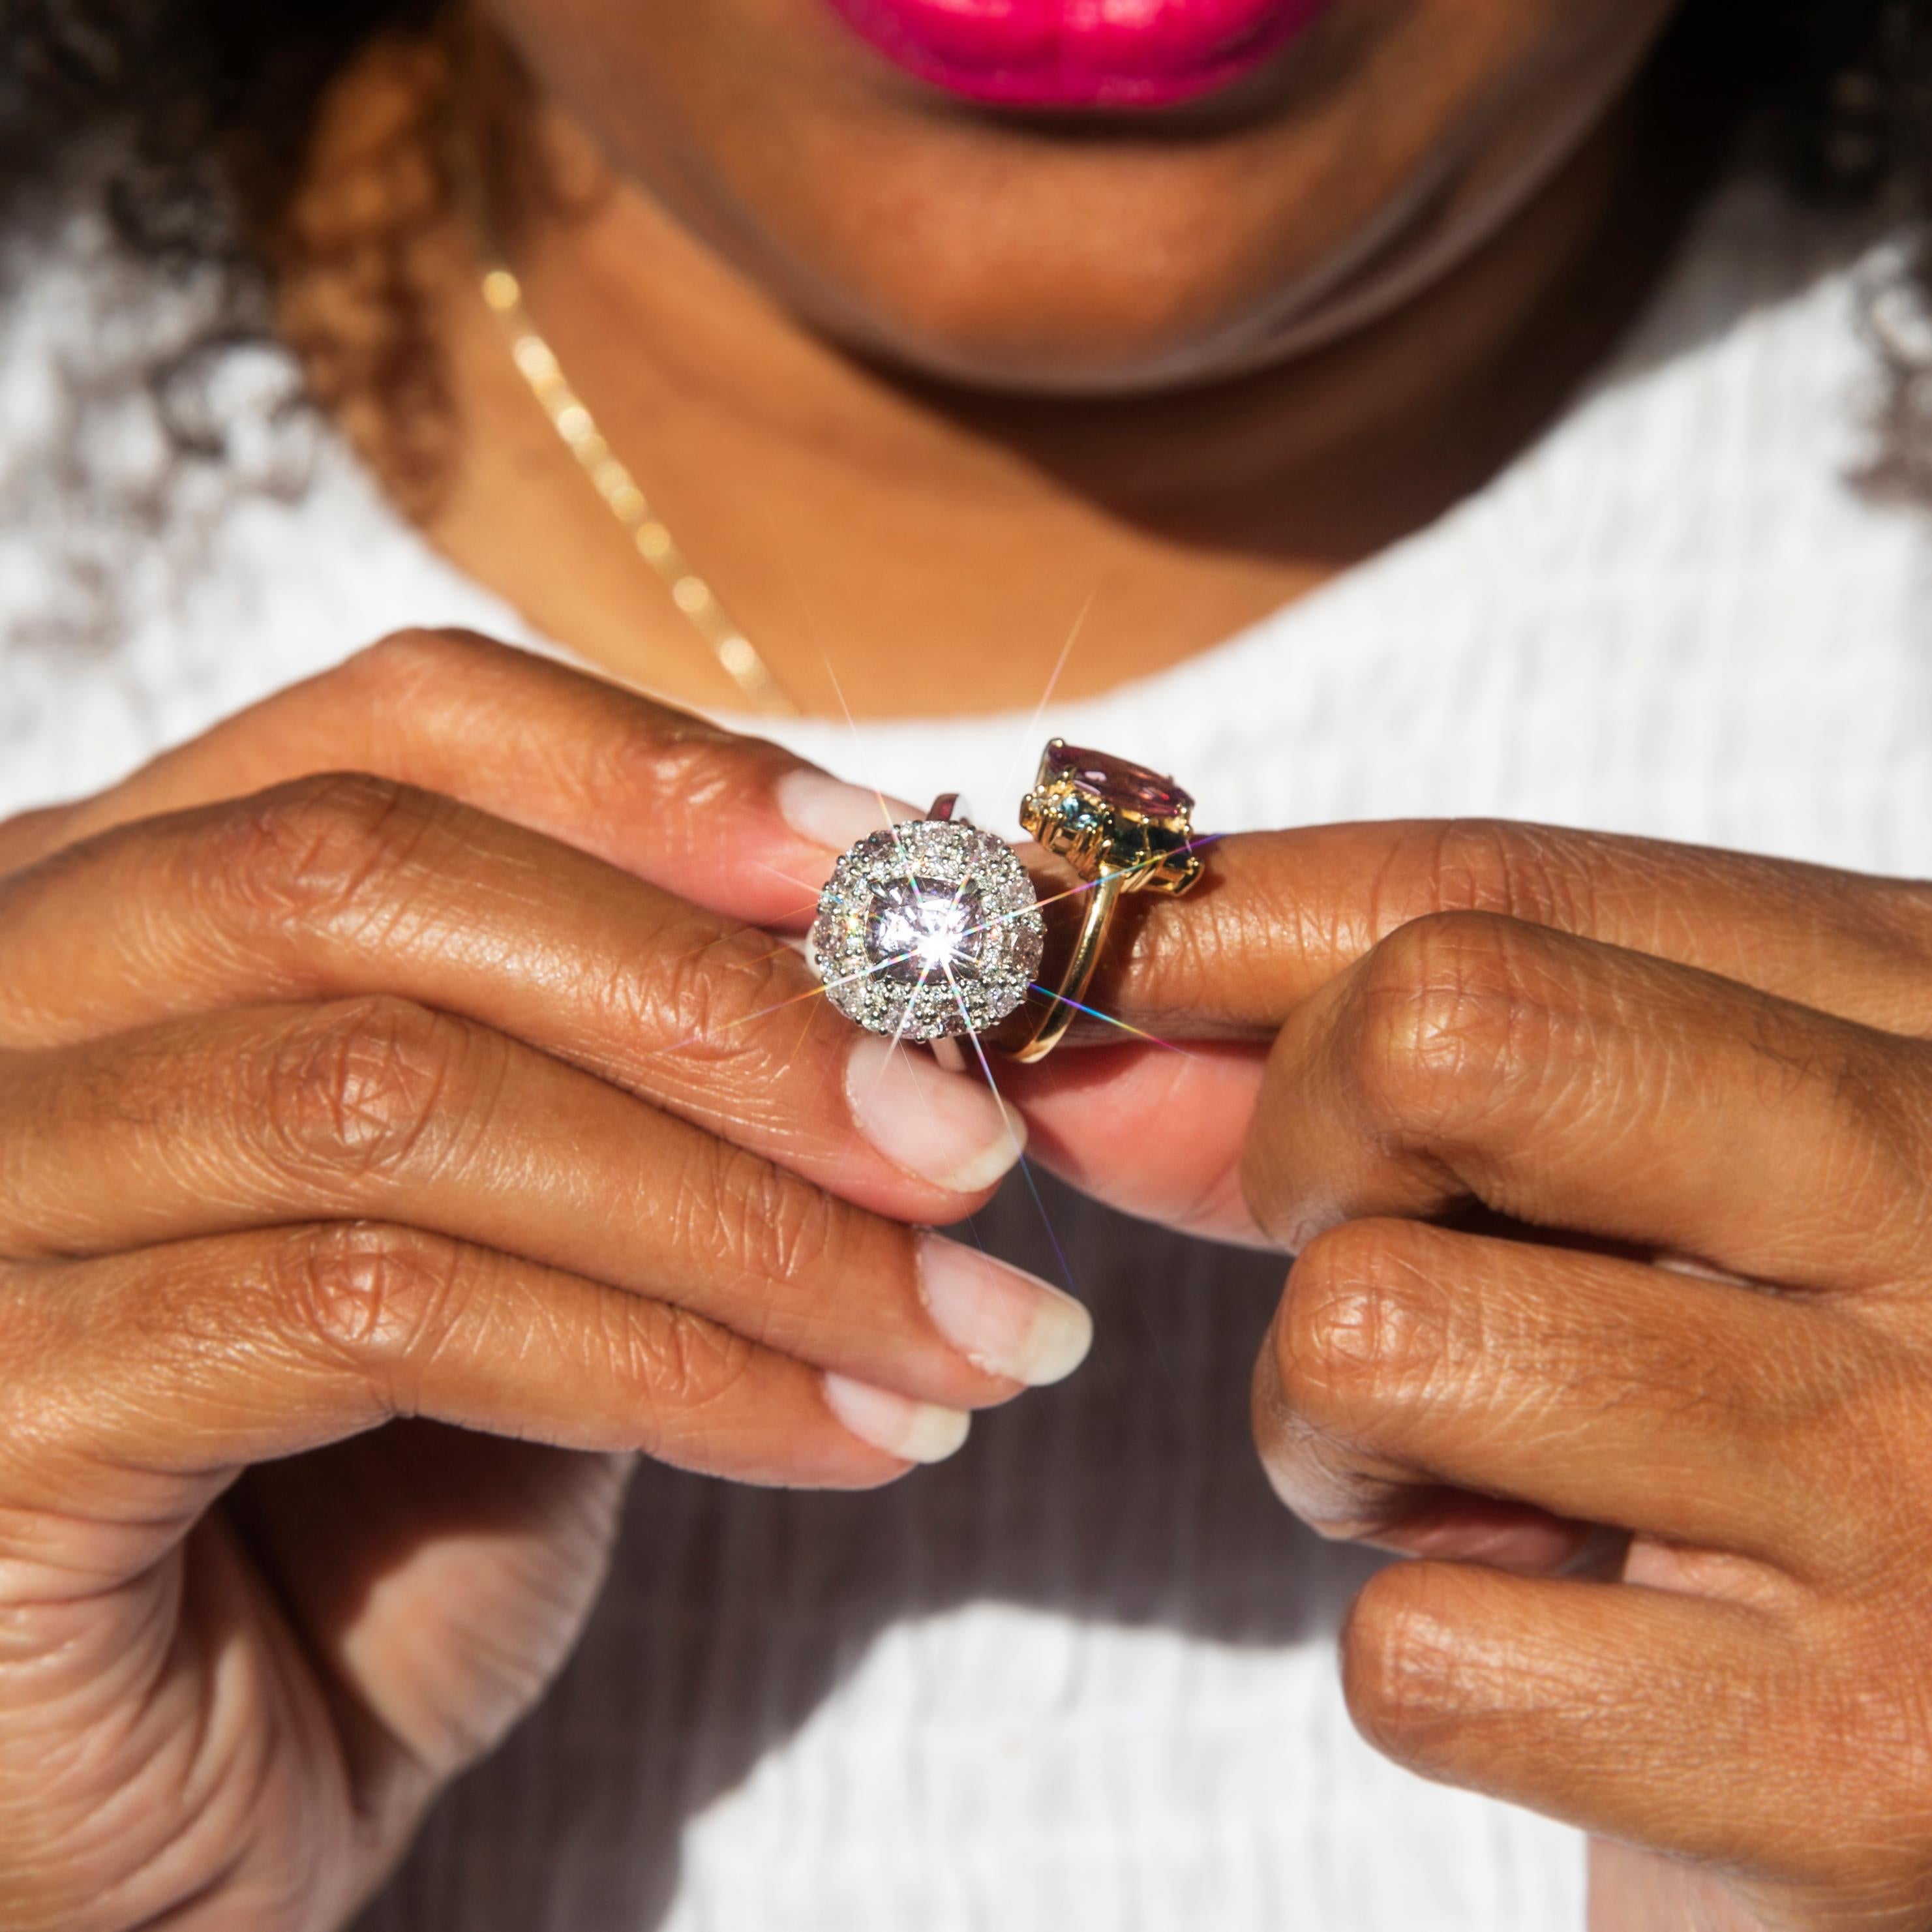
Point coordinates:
pixel 1082 1677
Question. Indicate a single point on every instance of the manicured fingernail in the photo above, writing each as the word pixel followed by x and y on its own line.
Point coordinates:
pixel 920 1432
pixel 829 813
pixel 1007 1323
pixel 949 1129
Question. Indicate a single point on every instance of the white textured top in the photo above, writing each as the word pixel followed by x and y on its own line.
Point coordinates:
pixel 1083 1677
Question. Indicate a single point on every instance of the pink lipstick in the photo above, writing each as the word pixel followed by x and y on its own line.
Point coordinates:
pixel 1074 54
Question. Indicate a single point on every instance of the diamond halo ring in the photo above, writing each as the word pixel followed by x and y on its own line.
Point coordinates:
pixel 928 930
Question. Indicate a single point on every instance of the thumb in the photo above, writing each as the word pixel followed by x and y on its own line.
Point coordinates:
pixel 1156 1131
pixel 1632 1891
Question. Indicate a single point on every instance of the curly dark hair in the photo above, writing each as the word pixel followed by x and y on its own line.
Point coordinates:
pixel 210 104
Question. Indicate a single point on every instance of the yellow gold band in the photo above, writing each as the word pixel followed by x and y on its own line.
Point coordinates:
pixel 1103 899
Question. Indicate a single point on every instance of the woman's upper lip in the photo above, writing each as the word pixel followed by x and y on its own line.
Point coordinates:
pixel 1073 53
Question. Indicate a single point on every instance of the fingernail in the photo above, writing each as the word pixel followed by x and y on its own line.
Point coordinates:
pixel 1007 1323
pixel 919 1431
pixel 828 812
pixel 949 1129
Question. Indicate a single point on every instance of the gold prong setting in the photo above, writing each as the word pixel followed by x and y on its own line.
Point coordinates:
pixel 1105 816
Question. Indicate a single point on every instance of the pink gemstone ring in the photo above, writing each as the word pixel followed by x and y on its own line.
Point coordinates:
pixel 931 931
pixel 1123 828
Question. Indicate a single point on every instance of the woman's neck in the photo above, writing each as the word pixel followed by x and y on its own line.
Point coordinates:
pixel 894 547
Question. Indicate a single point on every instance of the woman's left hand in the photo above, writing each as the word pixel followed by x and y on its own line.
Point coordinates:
pixel 1608 1169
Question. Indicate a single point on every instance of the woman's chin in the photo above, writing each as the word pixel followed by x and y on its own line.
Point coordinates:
pixel 1083 324
pixel 1093 363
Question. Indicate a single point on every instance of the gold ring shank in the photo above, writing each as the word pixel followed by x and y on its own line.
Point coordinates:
pixel 1102 901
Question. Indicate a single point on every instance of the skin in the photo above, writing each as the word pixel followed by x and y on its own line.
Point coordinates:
pixel 347 1126
pixel 1601 1163
pixel 1391 261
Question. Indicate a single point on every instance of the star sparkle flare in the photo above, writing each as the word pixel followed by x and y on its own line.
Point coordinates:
pixel 931 928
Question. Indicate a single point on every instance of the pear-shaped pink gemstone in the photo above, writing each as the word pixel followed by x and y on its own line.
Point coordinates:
pixel 1116 781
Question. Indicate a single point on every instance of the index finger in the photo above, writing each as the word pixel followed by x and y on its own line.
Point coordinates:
pixel 735 823
pixel 1279 914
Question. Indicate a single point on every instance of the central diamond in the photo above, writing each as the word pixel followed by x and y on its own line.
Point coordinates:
pixel 920 927
pixel 930 928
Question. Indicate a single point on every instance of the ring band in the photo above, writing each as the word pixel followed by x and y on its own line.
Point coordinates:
pixel 1102 901
pixel 1123 828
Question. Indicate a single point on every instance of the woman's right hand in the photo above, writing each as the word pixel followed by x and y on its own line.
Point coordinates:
pixel 364 1152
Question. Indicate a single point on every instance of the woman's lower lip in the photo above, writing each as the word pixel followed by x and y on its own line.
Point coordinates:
pixel 1073 54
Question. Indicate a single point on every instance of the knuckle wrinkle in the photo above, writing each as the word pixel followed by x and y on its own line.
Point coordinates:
pixel 1396 1659
pixel 314 851
pixel 364 1088
pixel 1445 1025
pixel 374 1296
pixel 1358 1332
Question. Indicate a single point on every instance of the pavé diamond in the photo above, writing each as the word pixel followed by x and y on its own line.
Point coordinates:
pixel 932 928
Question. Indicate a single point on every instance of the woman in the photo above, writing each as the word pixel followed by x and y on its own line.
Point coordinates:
pixel 388 1155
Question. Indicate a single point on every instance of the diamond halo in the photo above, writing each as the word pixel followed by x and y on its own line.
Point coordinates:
pixel 930 929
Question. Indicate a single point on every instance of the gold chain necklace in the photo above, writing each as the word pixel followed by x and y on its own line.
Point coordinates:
pixel 700 606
